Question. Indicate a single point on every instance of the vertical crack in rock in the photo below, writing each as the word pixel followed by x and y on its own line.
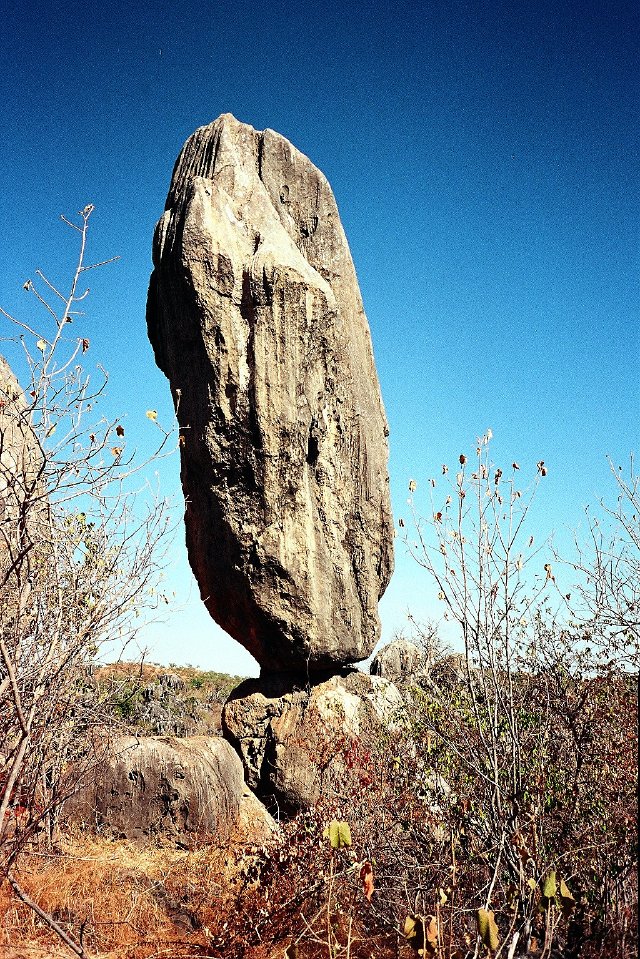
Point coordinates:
pixel 255 316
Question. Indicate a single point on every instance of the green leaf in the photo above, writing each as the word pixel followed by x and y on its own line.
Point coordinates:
pixel 487 929
pixel 338 834
pixel 549 885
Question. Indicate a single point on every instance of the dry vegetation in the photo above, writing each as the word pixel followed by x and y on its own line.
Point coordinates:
pixel 415 850
pixel 151 700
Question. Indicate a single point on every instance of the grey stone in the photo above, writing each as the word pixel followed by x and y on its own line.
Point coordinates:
pixel 255 316
pixel 400 661
pixel 180 789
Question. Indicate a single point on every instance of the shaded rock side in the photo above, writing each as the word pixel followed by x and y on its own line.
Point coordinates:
pixel 300 744
pixel 255 316
pixel 164 787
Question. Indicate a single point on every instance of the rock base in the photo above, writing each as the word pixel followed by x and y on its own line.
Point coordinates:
pixel 298 742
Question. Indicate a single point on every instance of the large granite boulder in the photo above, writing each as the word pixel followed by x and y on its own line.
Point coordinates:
pixel 300 743
pixel 164 787
pixel 255 316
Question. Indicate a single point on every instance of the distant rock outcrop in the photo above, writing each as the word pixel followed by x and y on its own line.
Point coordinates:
pixel 255 316
pixel 400 661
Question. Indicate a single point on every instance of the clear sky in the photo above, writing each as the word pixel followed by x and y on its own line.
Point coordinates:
pixel 484 156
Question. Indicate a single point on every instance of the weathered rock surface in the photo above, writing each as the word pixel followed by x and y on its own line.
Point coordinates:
pixel 297 744
pixel 173 788
pixel 400 661
pixel 21 461
pixel 255 316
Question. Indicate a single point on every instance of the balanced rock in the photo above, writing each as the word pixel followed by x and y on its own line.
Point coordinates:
pixel 299 743
pixel 255 316
pixel 21 461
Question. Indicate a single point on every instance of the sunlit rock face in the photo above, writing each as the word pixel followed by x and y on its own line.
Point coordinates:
pixel 23 501
pixel 162 786
pixel 255 316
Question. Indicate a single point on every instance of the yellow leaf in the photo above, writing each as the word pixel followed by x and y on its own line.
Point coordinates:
pixel 42 345
pixel 152 415
pixel 414 931
pixel 338 834
pixel 565 893
pixel 567 902
pixel 431 934
pixel 487 928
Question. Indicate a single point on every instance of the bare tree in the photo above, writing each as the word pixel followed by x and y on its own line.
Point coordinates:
pixel 518 723
pixel 606 601
pixel 80 555
pixel 475 546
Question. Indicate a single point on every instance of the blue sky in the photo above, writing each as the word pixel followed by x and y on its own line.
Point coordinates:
pixel 484 157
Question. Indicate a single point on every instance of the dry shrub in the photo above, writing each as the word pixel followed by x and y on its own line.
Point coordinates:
pixel 125 901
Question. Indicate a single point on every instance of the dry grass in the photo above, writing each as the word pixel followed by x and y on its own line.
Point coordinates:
pixel 127 902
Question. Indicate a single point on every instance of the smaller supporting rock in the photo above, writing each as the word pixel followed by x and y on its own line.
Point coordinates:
pixel 300 742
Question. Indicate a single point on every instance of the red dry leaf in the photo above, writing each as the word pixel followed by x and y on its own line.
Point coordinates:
pixel 366 877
